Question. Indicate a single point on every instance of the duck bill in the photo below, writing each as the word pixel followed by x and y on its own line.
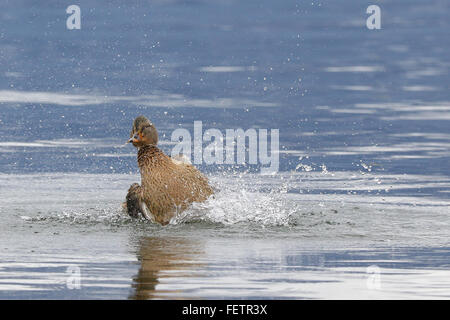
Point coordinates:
pixel 134 139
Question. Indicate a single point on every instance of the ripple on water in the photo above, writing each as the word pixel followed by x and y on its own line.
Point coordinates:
pixel 314 205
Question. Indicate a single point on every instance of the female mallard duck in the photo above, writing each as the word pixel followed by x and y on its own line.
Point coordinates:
pixel 168 186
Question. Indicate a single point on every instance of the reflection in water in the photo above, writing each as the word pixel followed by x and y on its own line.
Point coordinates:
pixel 163 259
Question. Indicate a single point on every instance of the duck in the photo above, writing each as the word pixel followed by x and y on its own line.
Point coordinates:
pixel 168 185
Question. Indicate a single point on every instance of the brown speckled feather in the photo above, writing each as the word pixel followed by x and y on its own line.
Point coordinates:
pixel 169 186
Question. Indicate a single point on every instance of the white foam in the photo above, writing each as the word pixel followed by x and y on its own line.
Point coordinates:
pixel 354 88
pixel 151 100
pixel 114 155
pixel 410 111
pixel 355 69
pixel 353 111
pixel 67 143
pixel 24 144
pixel 419 88
pixel 227 69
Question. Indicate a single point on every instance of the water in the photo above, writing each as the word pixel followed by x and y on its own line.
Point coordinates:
pixel 359 208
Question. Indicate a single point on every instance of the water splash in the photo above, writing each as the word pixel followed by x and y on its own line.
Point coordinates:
pixel 98 214
pixel 231 207
pixel 256 201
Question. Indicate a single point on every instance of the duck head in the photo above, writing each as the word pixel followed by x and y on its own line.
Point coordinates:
pixel 143 133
